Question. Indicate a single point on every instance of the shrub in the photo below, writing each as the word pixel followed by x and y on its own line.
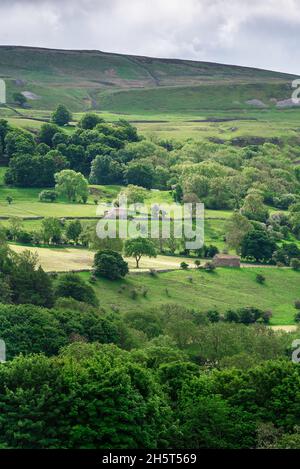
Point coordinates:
pixel 297 317
pixel 212 251
pixel 209 267
pixel 133 294
pixel 297 304
pixel 197 263
pixel 213 316
pixel 110 264
pixel 260 278
pixel 71 285
pixel 24 237
pixel 184 265
pixel 153 272
pixel 93 279
pixel 295 264
pixel 231 316
pixel 47 196
pixel 267 316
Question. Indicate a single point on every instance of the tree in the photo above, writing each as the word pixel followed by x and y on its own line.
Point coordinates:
pixel 138 247
pixel 237 228
pixel 15 227
pixel 89 121
pixel 47 132
pixel 259 245
pixel 20 99
pixel 19 142
pixel 140 173
pixel 106 170
pixel 51 230
pixel 134 194
pixel 72 285
pixel 254 208
pixel 28 281
pixel 30 329
pixel 209 421
pixel 110 264
pixel 107 400
pixel 72 185
pixel 34 170
pixel 74 230
pixel 61 116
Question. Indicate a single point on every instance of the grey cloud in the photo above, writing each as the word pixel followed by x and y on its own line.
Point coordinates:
pixel 246 32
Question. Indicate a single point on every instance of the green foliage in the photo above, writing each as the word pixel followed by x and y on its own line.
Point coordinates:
pixel 19 99
pixel 47 196
pixel 140 173
pixel 260 279
pixel 89 121
pixel 105 170
pixel 74 230
pixel 85 381
pixel 110 264
pixel 254 208
pixel 72 185
pixel 138 247
pixel 30 329
pixel 52 230
pixel 258 244
pixel 61 116
pixel 71 285
pixel 47 132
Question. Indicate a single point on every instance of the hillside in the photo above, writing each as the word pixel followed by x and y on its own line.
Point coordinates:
pixel 122 83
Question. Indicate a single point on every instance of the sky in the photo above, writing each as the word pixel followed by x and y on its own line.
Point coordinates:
pixel 256 33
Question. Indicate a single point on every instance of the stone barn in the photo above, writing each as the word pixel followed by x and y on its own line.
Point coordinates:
pixel 227 260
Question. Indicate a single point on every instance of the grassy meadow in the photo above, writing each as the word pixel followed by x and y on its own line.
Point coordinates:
pixel 223 289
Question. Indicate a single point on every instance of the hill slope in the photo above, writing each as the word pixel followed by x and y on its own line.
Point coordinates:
pixel 94 79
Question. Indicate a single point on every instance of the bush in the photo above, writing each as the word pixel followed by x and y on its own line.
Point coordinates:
pixel 184 265
pixel 213 316
pixel 47 196
pixel 71 285
pixel 247 315
pixel 110 264
pixel 24 237
pixel 209 267
pixel 267 316
pixel 260 279
pixel 297 317
pixel 295 264
pixel 297 304
pixel 153 272
pixel 133 294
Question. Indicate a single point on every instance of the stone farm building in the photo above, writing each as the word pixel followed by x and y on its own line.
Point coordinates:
pixel 227 260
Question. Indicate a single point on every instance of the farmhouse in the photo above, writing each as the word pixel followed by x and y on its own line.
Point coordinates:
pixel 227 260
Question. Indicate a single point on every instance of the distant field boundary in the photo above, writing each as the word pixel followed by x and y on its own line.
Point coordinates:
pixel 42 218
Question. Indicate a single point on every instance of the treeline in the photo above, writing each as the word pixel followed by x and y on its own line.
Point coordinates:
pixel 221 176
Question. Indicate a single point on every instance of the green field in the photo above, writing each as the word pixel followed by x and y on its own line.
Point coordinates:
pixel 223 289
pixel 26 202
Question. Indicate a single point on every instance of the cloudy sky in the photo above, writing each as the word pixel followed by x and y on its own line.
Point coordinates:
pixel 260 33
